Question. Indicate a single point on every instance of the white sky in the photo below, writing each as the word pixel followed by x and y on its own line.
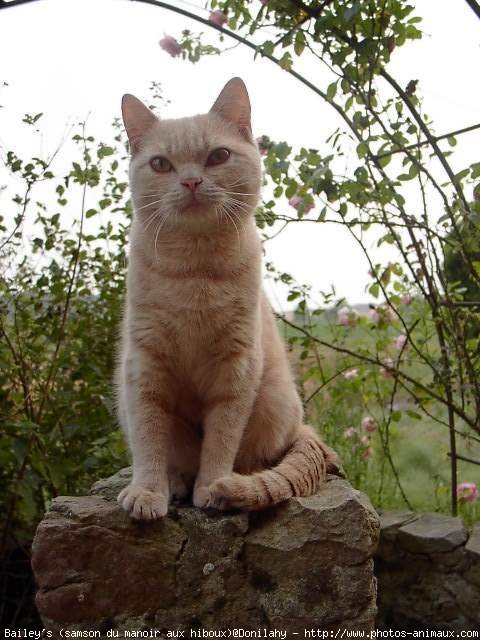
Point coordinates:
pixel 67 58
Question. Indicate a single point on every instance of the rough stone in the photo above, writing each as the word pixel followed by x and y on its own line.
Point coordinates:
pixel 473 545
pixel 306 563
pixel 427 575
pixel 391 521
pixel 109 488
pixel 432 533
pixel 472 550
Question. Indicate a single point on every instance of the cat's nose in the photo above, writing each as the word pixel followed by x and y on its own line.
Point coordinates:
pixel 191 183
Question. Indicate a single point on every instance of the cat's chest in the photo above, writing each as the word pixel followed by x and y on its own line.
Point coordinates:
pixel 197 294
pixel 190 321
pixel 190 314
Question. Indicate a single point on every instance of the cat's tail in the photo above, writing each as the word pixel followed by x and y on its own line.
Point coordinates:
pixel 300 473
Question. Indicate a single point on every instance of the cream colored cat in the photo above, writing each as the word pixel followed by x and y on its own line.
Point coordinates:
pixel 205 392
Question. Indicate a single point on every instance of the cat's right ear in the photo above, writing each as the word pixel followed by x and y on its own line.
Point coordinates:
pixel 233 104
pixel 137 118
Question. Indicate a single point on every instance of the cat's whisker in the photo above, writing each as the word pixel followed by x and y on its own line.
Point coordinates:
pixel 235 204
pixel 239 204
pixel 150 204
pixel 153 214
pixel 232 196
pixel 152 194
pixel 217 214
pixel 226 212
pixel 159 228
pixel 152 218
pixel 238 182
pixel 240 193
pixel 234 217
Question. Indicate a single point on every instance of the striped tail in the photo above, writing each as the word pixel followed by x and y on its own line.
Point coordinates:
pixel 300 473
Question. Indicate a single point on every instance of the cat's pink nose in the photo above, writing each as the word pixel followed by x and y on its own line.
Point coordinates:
pixel 192 183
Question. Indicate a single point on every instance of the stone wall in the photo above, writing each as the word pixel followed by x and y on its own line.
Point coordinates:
pixel 428 571
pixel 304 564
pixel 307 563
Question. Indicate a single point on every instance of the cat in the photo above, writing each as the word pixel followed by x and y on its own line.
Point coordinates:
pixel 204 389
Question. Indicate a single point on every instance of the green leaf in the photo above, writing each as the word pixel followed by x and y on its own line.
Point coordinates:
pixel 384 160
pixel 286 61
pixel 374 290
pixel 332 90
pixel 462 174
pixel 267 48
pixel 104 150
pixel 362 150
pixel 475 167
pixel 413 414
pixel 299 45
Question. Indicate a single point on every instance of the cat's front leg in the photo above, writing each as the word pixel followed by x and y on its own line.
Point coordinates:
pixel 224 425
pixel 150 432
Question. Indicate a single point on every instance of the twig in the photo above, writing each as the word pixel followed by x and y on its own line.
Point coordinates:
pixel 464 458
pixel 422 143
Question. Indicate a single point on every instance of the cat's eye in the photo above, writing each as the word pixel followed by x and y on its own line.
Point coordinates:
pixel 218 156
pixel 161 164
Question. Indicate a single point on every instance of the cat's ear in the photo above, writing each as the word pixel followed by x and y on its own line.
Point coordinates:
pixel 137 118
pixel 233 104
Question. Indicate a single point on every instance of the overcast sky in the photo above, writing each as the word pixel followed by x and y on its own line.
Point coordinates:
pixel 67 58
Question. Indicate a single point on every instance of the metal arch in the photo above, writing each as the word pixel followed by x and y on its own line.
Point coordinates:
pixel 4 4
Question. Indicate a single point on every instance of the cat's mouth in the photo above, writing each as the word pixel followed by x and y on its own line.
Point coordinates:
pixel 193 202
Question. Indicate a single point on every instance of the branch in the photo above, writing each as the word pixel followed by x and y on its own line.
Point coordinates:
pixel 422 143
pixel 459 457
pixel 474 7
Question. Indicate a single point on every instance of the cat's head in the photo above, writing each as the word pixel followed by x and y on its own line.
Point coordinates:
pixel 200 172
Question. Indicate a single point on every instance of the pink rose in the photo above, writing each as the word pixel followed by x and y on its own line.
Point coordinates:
pixel 400 342
pixel 346 317
pixel 295 202
pixel 350 373
pixel 390 313
pixel 264 2
pixel 369 424
pixel 388 371
pixel 368 453
pixel 407 298
pixel 373 315
pixel 218 18
pixel 467 492
pixel 170 45
pixel 349 433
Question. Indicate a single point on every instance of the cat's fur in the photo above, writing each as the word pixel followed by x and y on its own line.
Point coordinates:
pixel 205 392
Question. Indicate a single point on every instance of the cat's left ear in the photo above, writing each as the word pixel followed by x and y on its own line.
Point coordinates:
pixel 137 118
pixel 233 104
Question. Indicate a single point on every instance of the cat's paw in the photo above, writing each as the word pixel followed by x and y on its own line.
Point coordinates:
pixel 211 497
pixel 201 497
pixel 143 504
